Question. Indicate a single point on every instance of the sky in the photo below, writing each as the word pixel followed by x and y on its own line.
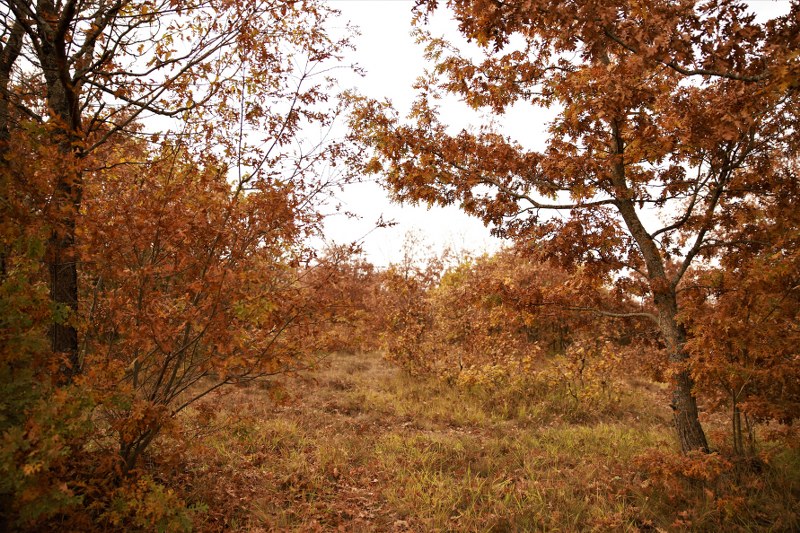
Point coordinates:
pixel 392 61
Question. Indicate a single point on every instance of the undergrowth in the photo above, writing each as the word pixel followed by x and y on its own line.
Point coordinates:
pixel 357 445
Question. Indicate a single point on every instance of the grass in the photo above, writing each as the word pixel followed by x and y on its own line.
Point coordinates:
pixel 357 445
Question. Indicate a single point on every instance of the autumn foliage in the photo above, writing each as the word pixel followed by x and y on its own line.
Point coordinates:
pixel 673 121
pixel 744 315
pixel 143 269
pixel 511 323
pixel 160 197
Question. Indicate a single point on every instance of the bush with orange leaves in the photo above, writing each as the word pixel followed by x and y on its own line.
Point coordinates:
pixel 188 284
pixel 347 289
pixel 508 322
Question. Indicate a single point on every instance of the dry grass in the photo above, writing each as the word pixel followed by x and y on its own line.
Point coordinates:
pixel 358 446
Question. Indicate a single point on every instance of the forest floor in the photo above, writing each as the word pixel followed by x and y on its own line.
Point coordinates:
pixel 357 445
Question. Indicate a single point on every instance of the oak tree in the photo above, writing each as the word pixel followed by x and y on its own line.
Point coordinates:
pixel 153 157
pixel 668 115
pixel 89 70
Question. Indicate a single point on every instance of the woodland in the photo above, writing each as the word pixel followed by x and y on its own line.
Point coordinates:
pixel 178 353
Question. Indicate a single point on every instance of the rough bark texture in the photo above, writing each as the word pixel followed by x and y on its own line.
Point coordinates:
pixel 9 52
pixel 684 404
pixel 8 56
pixel 62 266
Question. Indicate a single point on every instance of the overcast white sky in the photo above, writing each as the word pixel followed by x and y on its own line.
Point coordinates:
pixel 392 61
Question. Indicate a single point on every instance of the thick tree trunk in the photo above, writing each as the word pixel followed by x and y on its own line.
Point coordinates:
pixel 9 52
pixel 62 266
pixel 687 423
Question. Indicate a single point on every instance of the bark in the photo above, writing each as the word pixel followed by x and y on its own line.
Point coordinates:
pixel 62 266
pixel 736 425
pixel 684 403
pixel 8 56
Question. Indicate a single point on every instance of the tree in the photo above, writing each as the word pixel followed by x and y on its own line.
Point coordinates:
pixel 669 114
pixel 152 162
pixel 189 286
pixel 87 71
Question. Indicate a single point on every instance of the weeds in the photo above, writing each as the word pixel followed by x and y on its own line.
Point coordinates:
pixel 360 446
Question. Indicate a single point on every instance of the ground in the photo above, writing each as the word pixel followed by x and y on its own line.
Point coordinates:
pixel 358 445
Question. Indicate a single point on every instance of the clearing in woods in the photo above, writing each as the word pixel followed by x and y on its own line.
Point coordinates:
pixel 357 445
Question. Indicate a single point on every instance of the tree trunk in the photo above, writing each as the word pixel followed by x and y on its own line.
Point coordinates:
pixel 62 103
pixel 9 52
pixel 684 404
pixel 684 408
pixel 62 266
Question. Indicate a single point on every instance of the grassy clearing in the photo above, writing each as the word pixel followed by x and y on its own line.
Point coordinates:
pixel 358 446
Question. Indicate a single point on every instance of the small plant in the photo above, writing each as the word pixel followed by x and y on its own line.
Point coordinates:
pixel 587 372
